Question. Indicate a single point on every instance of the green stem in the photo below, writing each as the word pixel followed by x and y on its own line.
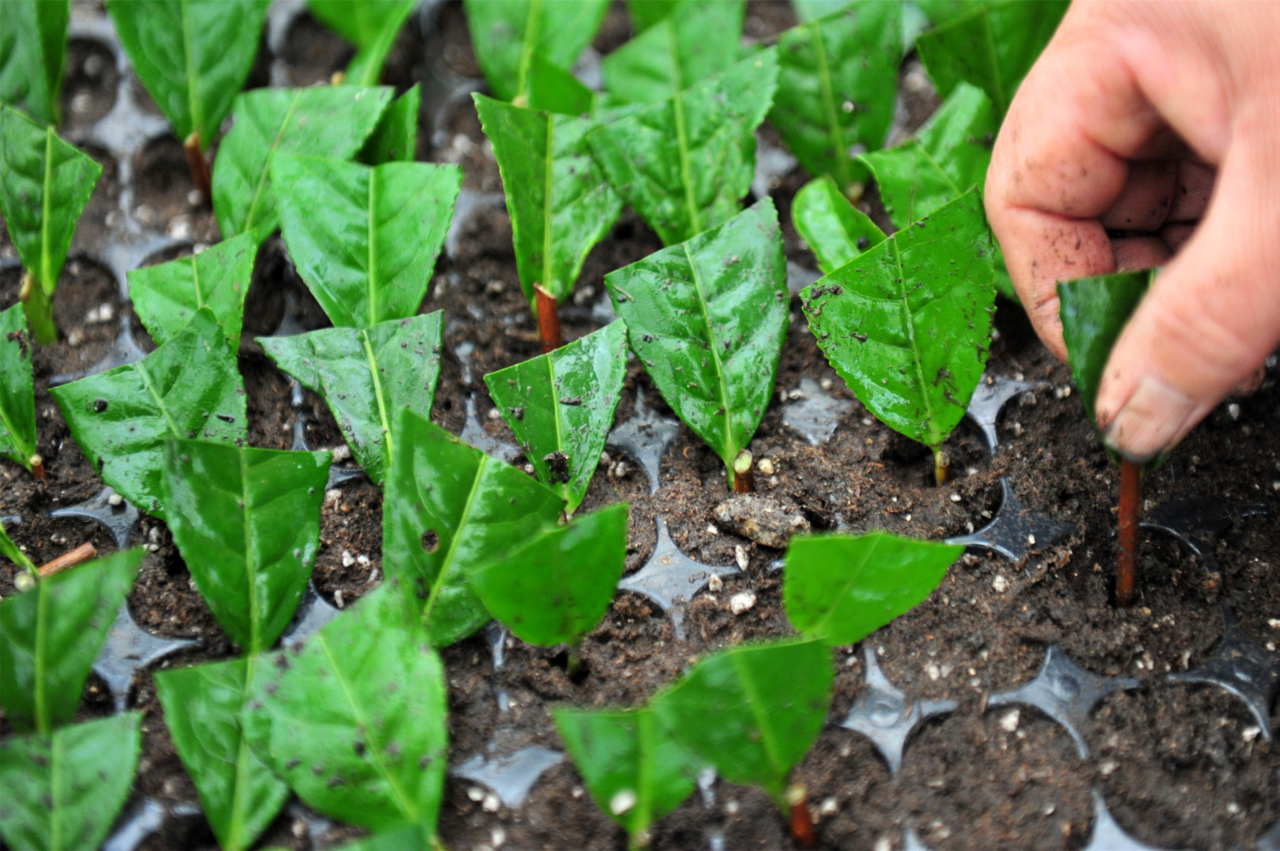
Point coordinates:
pixel 39 310
pixel 941 466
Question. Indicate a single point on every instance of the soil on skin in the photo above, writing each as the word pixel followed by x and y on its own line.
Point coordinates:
pixel 1177 765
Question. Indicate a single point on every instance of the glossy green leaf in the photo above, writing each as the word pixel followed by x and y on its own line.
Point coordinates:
pixel 50 635
pixel 44 186
pixel 1094 312
pixel 947 158
pixel 193 56
pixel 836 230
pixel 366 377
pixel 557 586
pixel 708 319
pixel 627 758
pixel 354 719
pixel 768 702
pixel 122 419
pixel 247 523
pixel 837 83
pixel 992 46
pixel 17 392
pixel 917 15
pixel 684 163
pixel 554 89
pixel 413 837
pixel 324 121
pixel 646 13
pixel 842 588
pixel 694 41
pixel 168 295
pixel 10 550
pixel 395 139
pixel 560 203
pixel 371 26
pixel 908 323
pixel 33 49
pixel 507 33
pixel 450 508
pixel 364 239
pixel 63 790
pixel 203 706
pixel 560 406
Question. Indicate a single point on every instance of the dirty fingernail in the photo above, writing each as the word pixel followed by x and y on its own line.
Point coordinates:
pixel 1152 421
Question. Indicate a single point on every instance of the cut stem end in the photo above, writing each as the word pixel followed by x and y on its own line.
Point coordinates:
pixel 941 467
pixel 1130 514
pixel 744 479
pixel 36 462
pixel 801 822
pixel 548 319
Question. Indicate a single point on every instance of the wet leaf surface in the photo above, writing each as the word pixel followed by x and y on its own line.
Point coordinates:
pixel 395 138
pixel 188 388
pixel 1094 312
pixel 836 230
pixel 33 42
pixel 842 588
pixel 364 239
pixel 371 27
pixel 247 523
pixel 17 399
pixel 708 319
pixel 366 376
pixel 561 405
pixel 192 57
pixel 506 34
pixel 167 296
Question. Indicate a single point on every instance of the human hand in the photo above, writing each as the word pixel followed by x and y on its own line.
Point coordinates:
pixel 1150 131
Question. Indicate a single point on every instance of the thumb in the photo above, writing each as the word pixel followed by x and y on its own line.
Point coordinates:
pixel 1211 318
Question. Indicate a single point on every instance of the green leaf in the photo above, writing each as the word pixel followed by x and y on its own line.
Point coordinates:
pixel 44 186
pixel 646 13
pixel 627 757
pixel 685 46
pixel 708 319
pixel 556 90
pixel 395 139
pixel 768 702
pixel 414 837
pixel 17 392
pixel 247 523
pixel 450 508
pixel 203 706
pixel 684 163
pixel 64 789
pixel 122 418
pixel 1094 312
pixel 556 586
pixel 560 406
pixel 364 239
pixel 371 26
pixel 836 230
pixel 366 376
pixel 354 719
pixel 907 324
pixel 33 49
pixel 168 295
pixel 50 635
pixel 507 33
pixel 992 46
pixel 325 121
pixel 193 56
pixel 10 551
pixel 837 82
pixel 560 203
pixel 948 157
pixel 842 588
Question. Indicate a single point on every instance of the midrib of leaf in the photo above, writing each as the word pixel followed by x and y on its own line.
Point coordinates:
pixel 835 131
pixel 563 487
pixel 762 722
pixel 371 230
pixel 546 206
pixel 682 140
pixel 911 335
pixel 854 575
pixel 237 839
pixel 262 175
pixel 532 32
pixel 164 409
pixel 447 561
pixel 377 391
pixel 195 279
pixel 375 753
pixel 644 769
pixel 44 724
pixel 46 203
pixel 56 760
pixel 989 43
pixel 192 99
pixel 937 165
pixel 730 443
pixel 249 548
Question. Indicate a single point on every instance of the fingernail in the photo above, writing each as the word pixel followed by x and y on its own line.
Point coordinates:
pixel 1152 421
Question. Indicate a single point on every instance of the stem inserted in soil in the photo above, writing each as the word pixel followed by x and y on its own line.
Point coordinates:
pixel 195 162
pixel 1130 513
pixel 37 467
pixel 801 822
pixel 548 319
pixel 744 479
pixel 79 555
pixel 941 466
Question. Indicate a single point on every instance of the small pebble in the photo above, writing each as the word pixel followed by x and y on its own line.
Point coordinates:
pixel 955 497
pixel 1250 733
pixel 347 558
pixel 712 530
pixel 339 600
pixel 492 803
pixel 341 453
pixel 495 414
pixel 528 468
pixel 1000 584
pixel 75 337
pixel 195 198
pixel 179 227
pixel 742 602
pixel 825 384
pixel 362 560
pixel 1234 410
pixel 499 836
pixel 298 828
pixel 829 807
pixel 740 556
pixel 715 583
pixel 476 794
pixel 1009 721
pixel 765 466
pixel 622 802
pixel 115 500
pixel 332 496
pixel 23 581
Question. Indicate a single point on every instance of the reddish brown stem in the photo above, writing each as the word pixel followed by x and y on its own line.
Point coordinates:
pixel 79 555
pixel 37 467
pixel 801 822
pixel 1130 513
pixel 548 319
pixel 744 479
pixel 195 162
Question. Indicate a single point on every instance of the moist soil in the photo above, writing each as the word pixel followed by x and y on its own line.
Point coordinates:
pixel 1178 765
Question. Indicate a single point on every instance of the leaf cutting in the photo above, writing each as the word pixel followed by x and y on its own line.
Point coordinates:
pixel 17 401
pixel 33 42
pixel 167 296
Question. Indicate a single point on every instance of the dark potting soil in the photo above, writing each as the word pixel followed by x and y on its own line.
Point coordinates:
pixel 1180 765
